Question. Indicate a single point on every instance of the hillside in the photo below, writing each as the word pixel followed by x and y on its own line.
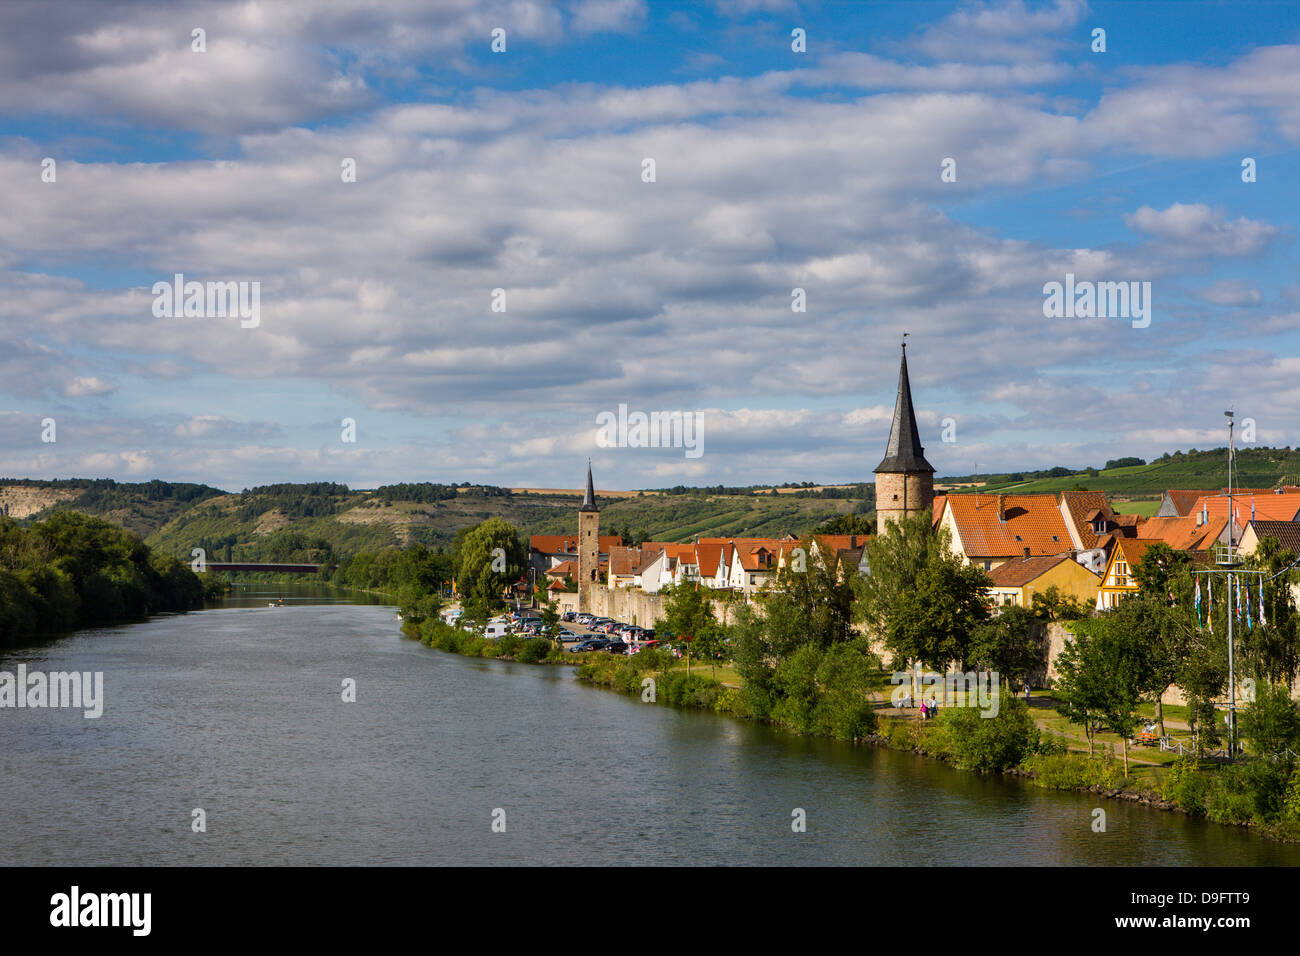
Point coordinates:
pixel 326 522
pixel 140 507
pixel 1254 468
pixel 323 521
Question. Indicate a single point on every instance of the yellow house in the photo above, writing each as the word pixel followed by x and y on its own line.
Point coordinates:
pixel 1118 579
pixel 1015 582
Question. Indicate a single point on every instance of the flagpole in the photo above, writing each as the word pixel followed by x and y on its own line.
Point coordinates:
pixel 1232 675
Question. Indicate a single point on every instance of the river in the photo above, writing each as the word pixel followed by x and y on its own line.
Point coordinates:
pixel 239 711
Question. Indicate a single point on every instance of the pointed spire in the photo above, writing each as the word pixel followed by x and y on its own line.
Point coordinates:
pixel 589 502
pixel 904 452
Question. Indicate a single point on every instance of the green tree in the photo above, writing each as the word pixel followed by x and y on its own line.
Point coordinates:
pixel 919 597
pixel 1103 671
pixel 1052 605
pixel 1270 651
pixel 491 558
pixel 818 593
pixel 1167 631
pixel 1272 722
pixel 1159 570
pixel 852 523
pixel 1009 644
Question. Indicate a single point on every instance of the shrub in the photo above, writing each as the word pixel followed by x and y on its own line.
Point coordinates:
pixel 1051 745
pixel 1186 785
pixel 1225 805
pixel 533 650
pixel 844 707
pixel 1291 801
pixel 1067 771
pixel 688 690
pixel 904 734
pixel 508 646
pixel 449 639
pixel 977 742
pixel 733 701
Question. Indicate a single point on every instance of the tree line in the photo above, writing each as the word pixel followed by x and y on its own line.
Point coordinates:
pixel 72 570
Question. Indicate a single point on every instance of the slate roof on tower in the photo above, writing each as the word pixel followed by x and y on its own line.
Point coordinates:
pixel 589 502
pixel 904 452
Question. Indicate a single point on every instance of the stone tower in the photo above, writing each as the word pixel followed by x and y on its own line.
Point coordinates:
pixel 904 480
pixel 588 546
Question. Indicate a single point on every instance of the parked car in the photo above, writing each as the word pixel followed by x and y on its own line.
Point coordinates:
pixel 568 616
pixel 591 644
pixel 616 647
pixel 567 635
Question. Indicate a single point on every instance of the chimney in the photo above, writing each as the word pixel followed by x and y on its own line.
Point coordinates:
pixel 1002 507
pixel 1026 551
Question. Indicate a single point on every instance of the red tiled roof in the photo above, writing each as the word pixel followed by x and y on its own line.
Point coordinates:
pixel 632 560
pixel 1181 534
pixel 568 543
pixel 1132 549
pixel 682 552
pixel 1083 507
pixel 1032 521
pixel 1268 506
pixel 1018 572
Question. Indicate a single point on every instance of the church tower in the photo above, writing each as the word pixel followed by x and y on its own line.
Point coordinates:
pixel 904 480
pixel 588 546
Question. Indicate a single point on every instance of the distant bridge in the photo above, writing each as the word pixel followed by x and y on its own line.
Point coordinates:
pixel 262 566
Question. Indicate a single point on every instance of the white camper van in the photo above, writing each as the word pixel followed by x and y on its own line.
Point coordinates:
pixel 495 630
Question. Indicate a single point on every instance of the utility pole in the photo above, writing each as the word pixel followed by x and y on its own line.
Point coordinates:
pixel 1232 596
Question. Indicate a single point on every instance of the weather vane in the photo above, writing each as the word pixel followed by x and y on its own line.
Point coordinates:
pixel 905 334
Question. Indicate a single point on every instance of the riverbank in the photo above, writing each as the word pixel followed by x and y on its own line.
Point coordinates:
pixel 1010 744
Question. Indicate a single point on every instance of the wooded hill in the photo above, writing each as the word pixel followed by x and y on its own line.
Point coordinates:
pixel 324 521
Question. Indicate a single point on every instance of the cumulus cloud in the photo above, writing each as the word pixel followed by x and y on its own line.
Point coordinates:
pixel 378 295
pixel 1195 229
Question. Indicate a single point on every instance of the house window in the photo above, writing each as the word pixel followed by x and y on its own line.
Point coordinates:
pixel 988 565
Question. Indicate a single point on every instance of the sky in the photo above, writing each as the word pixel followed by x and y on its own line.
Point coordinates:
pixel 502 272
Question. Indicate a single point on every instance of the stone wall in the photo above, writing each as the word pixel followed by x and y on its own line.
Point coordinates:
pixel 634 606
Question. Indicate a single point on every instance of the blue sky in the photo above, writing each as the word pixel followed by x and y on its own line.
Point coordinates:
pixel 522 171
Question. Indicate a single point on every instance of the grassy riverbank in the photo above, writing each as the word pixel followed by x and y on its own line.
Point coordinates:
pixel 1032 742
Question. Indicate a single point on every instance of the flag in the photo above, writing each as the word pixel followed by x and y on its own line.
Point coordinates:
pixel 1249 622
pixel 1262 622
pixel 1209 594
pixel 1198 603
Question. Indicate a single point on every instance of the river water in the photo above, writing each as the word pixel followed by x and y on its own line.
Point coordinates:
pixel 239 711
